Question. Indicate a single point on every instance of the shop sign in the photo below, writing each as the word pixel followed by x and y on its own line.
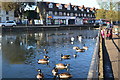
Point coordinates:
pixel 50 17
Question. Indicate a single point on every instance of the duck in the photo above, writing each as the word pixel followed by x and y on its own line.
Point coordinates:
pixel 62 66
pixel 47 57
pixel 43 61
pixel 39 75
pixel 75 47
pixel 65 56
pixel 55 71
pixel 85 47
pixel 80 50
pixel 64 75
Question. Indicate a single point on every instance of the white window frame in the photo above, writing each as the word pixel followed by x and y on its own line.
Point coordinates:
pixel 64 13
pixel 68 14
pixel 75 8
pixel 50 13
pixel 56 13
pixel 60 13
pixel 50 5
pixel 68 8
pixel 60 6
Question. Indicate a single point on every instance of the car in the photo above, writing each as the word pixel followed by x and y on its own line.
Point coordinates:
pixel 8 23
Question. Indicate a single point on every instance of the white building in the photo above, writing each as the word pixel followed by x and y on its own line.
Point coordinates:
pixel 6 15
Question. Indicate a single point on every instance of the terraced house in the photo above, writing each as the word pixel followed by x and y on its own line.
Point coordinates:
pixel 64 14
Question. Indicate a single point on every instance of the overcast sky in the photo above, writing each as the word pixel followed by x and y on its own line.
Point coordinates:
pixel 87 3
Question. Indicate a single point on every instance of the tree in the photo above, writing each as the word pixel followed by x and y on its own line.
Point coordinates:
pixel 100 14
pixel 108 10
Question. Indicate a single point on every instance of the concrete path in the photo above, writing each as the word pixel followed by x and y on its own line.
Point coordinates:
pixel 111 57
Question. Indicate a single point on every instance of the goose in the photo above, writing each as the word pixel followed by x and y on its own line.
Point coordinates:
pixel 40 75
pixel 65 56
pixel 80 50
pixel 46 57
pixel 85 47
pixel 45 51
pixel 64 75
pixel 75 47
pixel 55 71
pixel 43 61
pixel 62 66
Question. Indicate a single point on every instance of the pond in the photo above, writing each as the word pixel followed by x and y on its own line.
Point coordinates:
pixel 21 51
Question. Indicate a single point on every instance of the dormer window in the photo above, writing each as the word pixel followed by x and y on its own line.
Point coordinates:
pixel 82 9
pixel 60 13
pixel 50 5
pixel 87 10
pixel 68 8
pixel 75 8
pixel 60 6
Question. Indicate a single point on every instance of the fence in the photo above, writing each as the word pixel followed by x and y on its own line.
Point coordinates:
pixel 93 71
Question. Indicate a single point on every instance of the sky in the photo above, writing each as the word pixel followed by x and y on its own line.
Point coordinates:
pixel 87 3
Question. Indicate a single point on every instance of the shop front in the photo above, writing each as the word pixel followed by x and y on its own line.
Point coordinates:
pixel 60 20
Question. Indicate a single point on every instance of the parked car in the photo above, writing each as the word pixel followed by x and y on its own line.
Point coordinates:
pixel 8 23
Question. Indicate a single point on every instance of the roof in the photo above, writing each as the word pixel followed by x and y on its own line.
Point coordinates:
pixel 33 7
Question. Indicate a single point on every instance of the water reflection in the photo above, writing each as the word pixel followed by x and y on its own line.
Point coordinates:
pixel 22 52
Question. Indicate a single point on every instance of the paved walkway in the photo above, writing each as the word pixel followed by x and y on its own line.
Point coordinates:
pixel 111 57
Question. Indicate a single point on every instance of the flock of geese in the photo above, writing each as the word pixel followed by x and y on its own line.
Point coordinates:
pixel 59 66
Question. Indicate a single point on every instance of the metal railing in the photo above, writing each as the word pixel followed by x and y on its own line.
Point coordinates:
pixel 93 71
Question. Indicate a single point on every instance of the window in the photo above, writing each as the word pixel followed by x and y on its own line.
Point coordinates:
pixel 50 5
pixel 64 13
pixel 0 10
pixel 68 14
pixel 85 15
pixel 50 13
pixel 79 14
pixel 7 18
pixel 75 8
pixel 68 8
pixel 87 10
pixel 0 19
pixel 60 6
pixel 6 12
pixel 75 14
pixel 71 14
pixel 55 13
pixel 60 13
pixel 82 9
pixel 88 15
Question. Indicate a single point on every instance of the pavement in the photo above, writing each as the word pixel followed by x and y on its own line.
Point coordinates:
pixel 111 58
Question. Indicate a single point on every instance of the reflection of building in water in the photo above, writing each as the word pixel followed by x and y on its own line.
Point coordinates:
pixel 11 49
